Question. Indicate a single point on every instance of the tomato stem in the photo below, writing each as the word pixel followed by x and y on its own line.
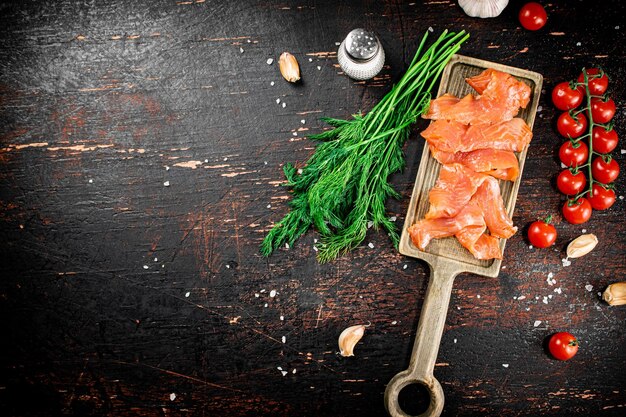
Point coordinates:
pixel 590 124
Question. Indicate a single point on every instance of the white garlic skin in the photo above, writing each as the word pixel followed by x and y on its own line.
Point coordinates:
pixel 349 338
pixel 483 8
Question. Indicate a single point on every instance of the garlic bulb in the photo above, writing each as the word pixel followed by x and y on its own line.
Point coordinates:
pixel 349 338
pixel 483 8
pixel 288 66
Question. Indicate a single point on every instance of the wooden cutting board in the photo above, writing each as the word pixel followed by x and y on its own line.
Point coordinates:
pixel 446 257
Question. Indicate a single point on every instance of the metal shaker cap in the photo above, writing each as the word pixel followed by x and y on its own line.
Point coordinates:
pixel 361 44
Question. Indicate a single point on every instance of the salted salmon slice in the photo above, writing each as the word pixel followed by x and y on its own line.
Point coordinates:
pixel 484 247
pixel 453 190
pixel 497 163
pixel 489 200
pixel 501 97
pixel 453 136
pixel 423 231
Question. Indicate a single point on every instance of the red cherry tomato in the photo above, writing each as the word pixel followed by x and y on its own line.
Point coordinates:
pixel 541 234
pixel 573 154
pixel 569 127
pixel 601 198
pixel 563 346
pixel 602 111
pixel 569 183
pixel 604 172
pixel 604 141
pixel 597 86
pixel 564 98
pixel 577 212
pixel 533 16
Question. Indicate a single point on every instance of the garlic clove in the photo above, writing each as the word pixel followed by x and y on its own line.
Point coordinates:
pixel 483 8
pixel 288 66
pixel 349 338
pixel 615 294
pixel 582 245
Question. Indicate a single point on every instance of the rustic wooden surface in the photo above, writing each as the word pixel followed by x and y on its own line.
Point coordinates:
pixel 122 296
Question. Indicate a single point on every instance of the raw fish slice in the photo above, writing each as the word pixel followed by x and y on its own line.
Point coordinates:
pixel 497 163
pixel 502 96
pixel 423 231
pixel 452 136
pixel 481 81
pixel 489 199
pixel 485 247
pixel 453 190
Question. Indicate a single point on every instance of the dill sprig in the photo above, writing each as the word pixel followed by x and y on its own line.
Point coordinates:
pixel 344 185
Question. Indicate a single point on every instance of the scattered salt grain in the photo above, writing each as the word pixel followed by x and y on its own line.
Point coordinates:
pixel 272 83
pixel 269 61
pixel 584 231
pixel 599 294
pixel 284 372
pixel 621 197
pixel 286 245
pixel 264 162
pixel 394 322
pixel 156 260
pixel 550 296
pixel 514 297
pixel 187 294
pixel 371 245
pixel 279 368
pixel 303 121
pixel 295 133
pixel 166 184
pixel 227 266
pixel 455 340
pixel 145 267
pixel 370 224
pixel 477 295
pixel 566 262
pixel 310 59
pixel 206 161
pixel 314 240
pixel 284 104
pixel 430 29
pixel 263 290
pixel 506 365
pixel 563 165
pixel 269 206
pixel 545 300
pixel 578 43
pixel 589 287
pixel 337 43
pixel 536 323
pixel 393 218
pixel 622 151
pixel 257 295
pixel 265 305
pixel 300 171
pixel 405 266
pixel 240 50
pixel 283 339
pixel 90 181
pixel 503 267
pixel 294 371
pixel 225 159
pixel 277 101
pixel 319 68
pixel 521 297
pixel 282 318
pixel 167 168
pixel 530 246
pixel 558 290
pixel 315 248
pixel 273 293
pixel 172 397
pixel 539 108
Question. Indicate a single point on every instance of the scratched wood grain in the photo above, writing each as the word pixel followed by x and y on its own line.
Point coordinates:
pixel 141 147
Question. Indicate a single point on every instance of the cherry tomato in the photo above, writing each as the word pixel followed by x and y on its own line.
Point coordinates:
pixel 563 346
pixel 601 198
pixel 602 111
pixel 533 16
pixel 541 234
pixel 569 127
pixel 597 86
pixel 604 172
pixel 564 98
pixel 577 212
pixel 573 154
pixel 569 183
pixel 604 141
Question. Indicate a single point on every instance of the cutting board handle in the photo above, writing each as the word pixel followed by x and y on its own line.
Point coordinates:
pixel 426 346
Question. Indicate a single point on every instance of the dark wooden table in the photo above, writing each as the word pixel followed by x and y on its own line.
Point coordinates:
pixel 140 167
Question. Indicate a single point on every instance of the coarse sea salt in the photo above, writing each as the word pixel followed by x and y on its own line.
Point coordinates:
pixel 284 339
pixel 166 184
pixel 172 397
pixel 558 290
pixel 370 245
pixel 269 61
pixel 566 262
pixel 187 294
pixel 506 365
pixel 589 287
pixel 303 121
pixel 273 293
pixel 521 297
pixel 536 323
pixel 284 104
pixel 545 300
pixel 405 266
pixel 282 318
pixel 146 267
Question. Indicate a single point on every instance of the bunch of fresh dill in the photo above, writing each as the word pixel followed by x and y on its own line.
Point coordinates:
pixel 344 185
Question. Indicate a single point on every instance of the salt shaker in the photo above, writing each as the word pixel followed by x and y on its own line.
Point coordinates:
pixel 361 55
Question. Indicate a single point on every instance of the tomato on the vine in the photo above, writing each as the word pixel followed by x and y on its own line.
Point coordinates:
pixel 570 127
pixel 566 98
pixel 604 141
pixel 533 16
pixel 601 198
pixel 569 183
pixel 573 154
pixel 597 86
pixel 603 171
pixel 541 234
pixel 602 111
pixel 577 212
pixel 563 346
